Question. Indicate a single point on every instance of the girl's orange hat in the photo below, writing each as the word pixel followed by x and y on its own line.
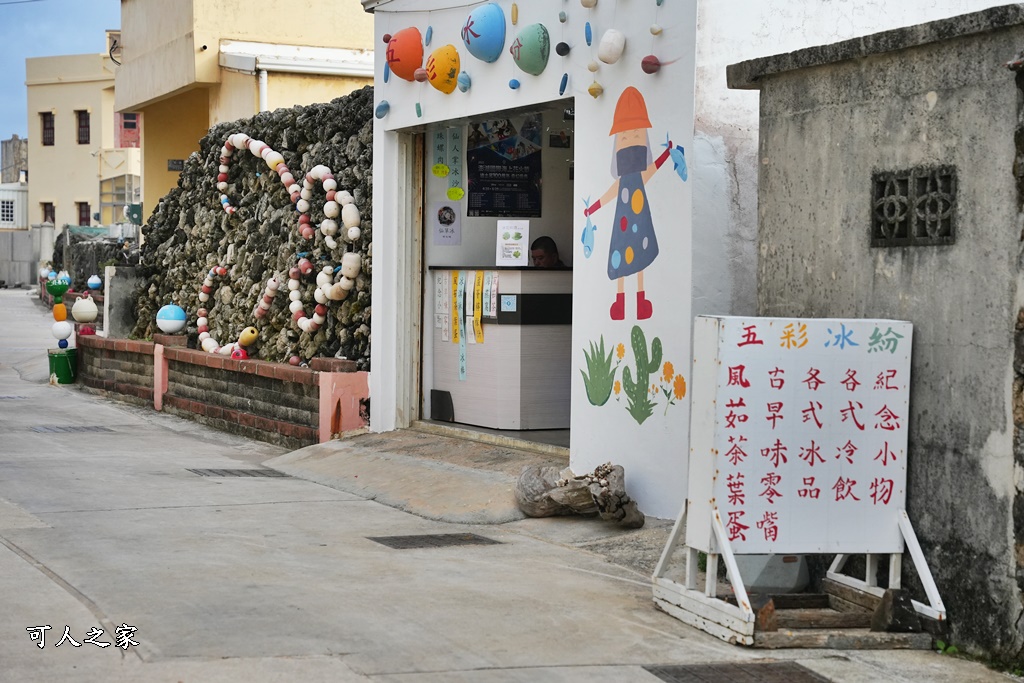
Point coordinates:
pixel 630 112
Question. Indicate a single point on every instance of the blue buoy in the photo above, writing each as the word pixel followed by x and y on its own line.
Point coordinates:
pixel 465 82
pixel 387 72
pixel 563 84
pixel 62 343
pixel 514 84
pixel 382 109
pixel 589 33
pixel 430 36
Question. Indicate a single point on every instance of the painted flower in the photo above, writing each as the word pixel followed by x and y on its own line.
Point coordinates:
pixel 620 351
pixel 679 387
pixel 668 371
pixel 617 388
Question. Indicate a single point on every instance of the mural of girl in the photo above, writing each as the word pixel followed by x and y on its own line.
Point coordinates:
pixel 634 245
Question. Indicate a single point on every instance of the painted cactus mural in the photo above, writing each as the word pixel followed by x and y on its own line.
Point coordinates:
pixel 638 399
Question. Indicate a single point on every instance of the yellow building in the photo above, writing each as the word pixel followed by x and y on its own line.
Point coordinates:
pixel 83 169
pixel 188 65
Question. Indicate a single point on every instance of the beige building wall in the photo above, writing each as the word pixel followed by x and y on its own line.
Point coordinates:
pixel 171 63
pixel 67 172
pixel 171 130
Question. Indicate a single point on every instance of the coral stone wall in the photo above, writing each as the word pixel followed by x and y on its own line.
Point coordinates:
pixel 190 232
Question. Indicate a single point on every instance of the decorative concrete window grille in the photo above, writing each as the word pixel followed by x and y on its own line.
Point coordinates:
pixel 914 208
pixel 7 211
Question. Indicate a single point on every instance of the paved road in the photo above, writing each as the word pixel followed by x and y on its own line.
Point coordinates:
pixel 275 579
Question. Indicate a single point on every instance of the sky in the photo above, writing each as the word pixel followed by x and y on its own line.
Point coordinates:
pixel 45 28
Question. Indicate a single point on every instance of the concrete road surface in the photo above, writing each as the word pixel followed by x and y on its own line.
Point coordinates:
pixel 195 578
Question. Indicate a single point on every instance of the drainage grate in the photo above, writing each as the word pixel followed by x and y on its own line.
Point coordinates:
pixel 58 429
pixel 13 398
pixel 432 541
pixel 764 672
pixel 272 474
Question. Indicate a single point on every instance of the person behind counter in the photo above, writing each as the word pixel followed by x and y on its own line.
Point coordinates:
pixel 544 252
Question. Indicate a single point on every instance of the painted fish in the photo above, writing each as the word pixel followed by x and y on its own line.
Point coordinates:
pixel 588 233
pixel 678 158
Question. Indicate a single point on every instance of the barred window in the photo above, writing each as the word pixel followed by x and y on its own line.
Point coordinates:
pixel 7 211
pixel 83 126
pixel 46 120
pixel 915 207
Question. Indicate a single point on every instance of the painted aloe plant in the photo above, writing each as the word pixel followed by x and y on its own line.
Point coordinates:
pixel 602 374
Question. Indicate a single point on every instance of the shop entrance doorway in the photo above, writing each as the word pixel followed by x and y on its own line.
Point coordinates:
pixel 497 301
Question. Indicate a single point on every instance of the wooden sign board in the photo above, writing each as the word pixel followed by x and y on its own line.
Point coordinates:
pixel 799 434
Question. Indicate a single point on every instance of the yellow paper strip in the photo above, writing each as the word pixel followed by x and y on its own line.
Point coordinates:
pixel 455 307
pixel 478 306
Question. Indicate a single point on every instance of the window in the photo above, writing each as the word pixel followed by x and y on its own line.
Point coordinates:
pixel 115 193
pixel 84 214
pixel 7 211
pixel 49 215
pixel 83 127
pixel 131 121
pixel 46 118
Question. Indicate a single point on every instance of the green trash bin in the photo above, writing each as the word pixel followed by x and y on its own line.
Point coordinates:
pixel 64 365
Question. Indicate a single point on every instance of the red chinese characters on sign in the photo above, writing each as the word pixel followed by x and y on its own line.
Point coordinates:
pixel 732 417
pixel 769 525
pixel 736 378
pixel 735 526
pixel 735 455
pixel 771 481
pixel 811 454
pixel 776 453
pixel 839 410
pixel 737 495
pixel 750 336
pixel 809 490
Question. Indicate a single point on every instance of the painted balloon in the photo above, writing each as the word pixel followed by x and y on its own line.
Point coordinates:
pixel 531 49
pixel 484 32
pixel 443 69
pixel 405 53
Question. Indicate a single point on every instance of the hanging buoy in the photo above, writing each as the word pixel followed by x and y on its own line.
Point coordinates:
pixel 562 86
pixel 484 32
pixel 514 84
pixel 420 75
pixel 443 69
pixel 592 67
pixel 562 49
pixel 419 111
pixel 464 82
pixel 531 49
pixel 387 72
pixel 515 14
pixel 563 17
pixel 613 44
pixel 595 90
pixel 405 52
pixel 387 38
pixel 589 4
pixel 382 109
pixel 429 36
pixel 589 33
pixel 650 64
pixel 655 30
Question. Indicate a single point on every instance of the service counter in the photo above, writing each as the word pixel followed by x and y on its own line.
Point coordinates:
pixel 519 377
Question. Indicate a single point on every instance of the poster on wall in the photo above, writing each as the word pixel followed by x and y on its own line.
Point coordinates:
pixel 513 243
pixel 504 167
pixel 446 223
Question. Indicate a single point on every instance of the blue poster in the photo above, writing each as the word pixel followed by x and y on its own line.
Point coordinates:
pixel 504 168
